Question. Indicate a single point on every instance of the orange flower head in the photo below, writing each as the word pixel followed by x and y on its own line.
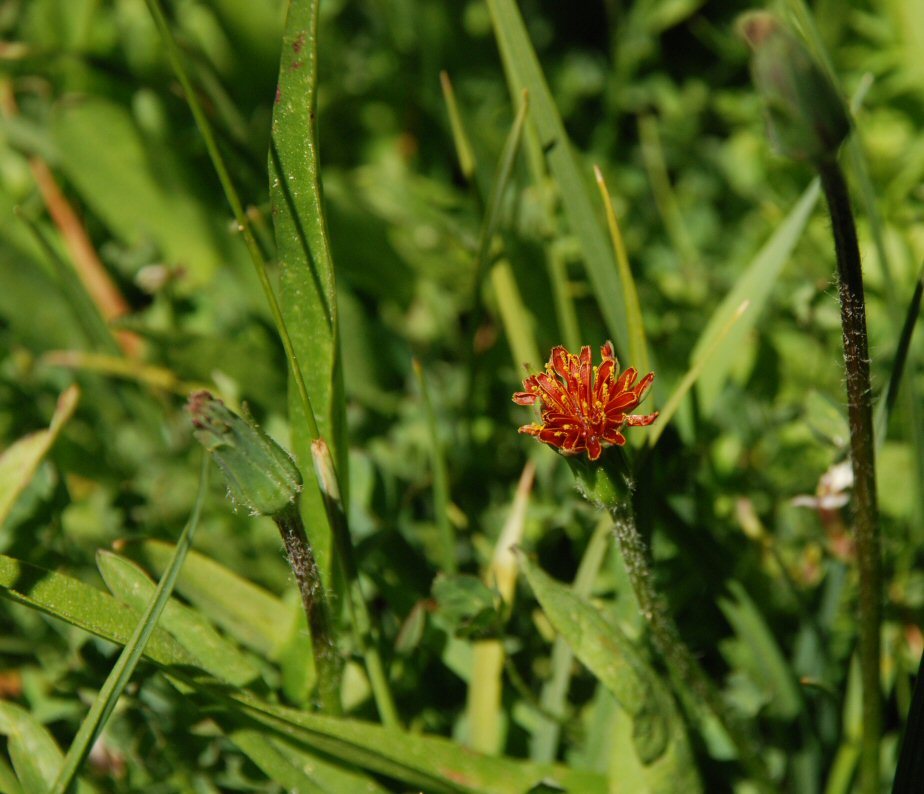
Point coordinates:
pixel 582 407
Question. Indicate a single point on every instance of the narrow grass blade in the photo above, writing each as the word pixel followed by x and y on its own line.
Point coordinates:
pixel 890 395
pixel 220 657
pixel 637 343
pixel 707 357
pixel 754 285
pixel 501 179
pixel 296 770
pixel 108 696
pixel 515 317
pixel 485 690
pixel 464 150
pixel 523 70
pixel 663 192
pixel 254 617
pixel 19 462
pixel 446 535
pixel 128 369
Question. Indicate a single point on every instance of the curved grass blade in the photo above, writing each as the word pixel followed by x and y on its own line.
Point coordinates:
pixel 637 342
pixel 429 763
pixel 108 696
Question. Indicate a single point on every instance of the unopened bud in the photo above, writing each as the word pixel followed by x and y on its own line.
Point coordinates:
pixel 260 474
pixel 806 117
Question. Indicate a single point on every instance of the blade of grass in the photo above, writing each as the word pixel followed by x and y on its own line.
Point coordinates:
pixel 120 367
pixel 489 226
pixel 516 319
pixel 485 690
pixel 522 67
pixel 890 395
pixel 20 460
pixel 754 286
pixel 464 150
pixel 637 342
pixel 307 287
pixel 93 724
pixel 446 535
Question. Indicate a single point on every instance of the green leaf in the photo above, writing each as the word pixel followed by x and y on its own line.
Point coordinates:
pixel 523 71
pixel 19 462
pixel 307 293
pixel 658 734
pixel 247 612
pixel 85 607
pixel 131 585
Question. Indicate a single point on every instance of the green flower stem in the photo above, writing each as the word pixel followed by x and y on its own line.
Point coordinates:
pixel 862 453
pixel 327 661
pixel 680 660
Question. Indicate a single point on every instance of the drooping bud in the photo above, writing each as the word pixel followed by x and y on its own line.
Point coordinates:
pixel 807 119
pixel 260 474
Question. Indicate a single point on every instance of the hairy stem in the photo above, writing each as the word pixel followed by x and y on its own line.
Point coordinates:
pixel 681 661
pixel 862 453
pixel 314 599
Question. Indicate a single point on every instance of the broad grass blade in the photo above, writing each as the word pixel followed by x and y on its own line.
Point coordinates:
pixel 307 291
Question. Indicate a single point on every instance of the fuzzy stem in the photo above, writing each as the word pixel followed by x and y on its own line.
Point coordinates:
pixel 680 660
pixel 862 453
pixel 314 599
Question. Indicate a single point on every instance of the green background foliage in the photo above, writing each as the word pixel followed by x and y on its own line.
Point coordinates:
pixel 466 266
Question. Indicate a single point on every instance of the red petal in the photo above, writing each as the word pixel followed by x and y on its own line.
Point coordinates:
pixel 625 380
pixel 620 403
pixel 638 420
pixel 593 447
pixel 525 398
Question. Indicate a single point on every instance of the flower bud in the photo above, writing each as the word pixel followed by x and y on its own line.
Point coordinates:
pixel 260 474
pixel 807 119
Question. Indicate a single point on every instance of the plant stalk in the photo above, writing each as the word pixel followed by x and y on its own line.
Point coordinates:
pixel 862 453
pixel 327 661
pixel 680 660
